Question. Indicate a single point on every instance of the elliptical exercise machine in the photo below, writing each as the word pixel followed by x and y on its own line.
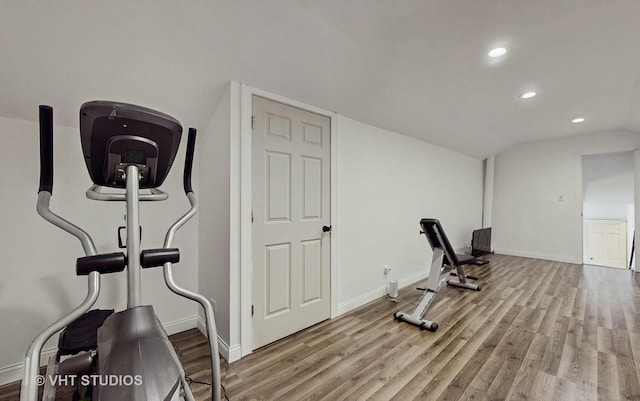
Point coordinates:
pixel 131 148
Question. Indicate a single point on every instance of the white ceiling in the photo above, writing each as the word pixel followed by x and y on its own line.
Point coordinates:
pixel 417 67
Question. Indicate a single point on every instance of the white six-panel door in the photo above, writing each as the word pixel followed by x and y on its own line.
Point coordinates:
pixel 291 204
pixel 607 242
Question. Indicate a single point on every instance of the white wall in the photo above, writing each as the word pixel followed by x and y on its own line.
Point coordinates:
pixel 608 178
pixel 487 205
pixel 537 194
pixel 387 182
pixel 37 277
pixel 214 218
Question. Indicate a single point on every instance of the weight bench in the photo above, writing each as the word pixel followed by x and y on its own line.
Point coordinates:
pixel 445 262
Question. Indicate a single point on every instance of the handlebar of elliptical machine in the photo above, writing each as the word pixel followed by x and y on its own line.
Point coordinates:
pixel 29 387
pixel 46 149
pixel 168 275
pixel 188 164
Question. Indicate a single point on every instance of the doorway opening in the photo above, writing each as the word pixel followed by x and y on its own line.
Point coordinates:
pixel 608 209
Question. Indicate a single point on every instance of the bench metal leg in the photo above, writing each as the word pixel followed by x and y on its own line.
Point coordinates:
pixel 434 282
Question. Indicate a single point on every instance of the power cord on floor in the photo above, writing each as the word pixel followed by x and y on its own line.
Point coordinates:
pixel 391 299
pixel 224 390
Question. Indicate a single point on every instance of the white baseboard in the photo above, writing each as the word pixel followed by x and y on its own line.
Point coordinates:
pixel 178 326
pixel 535 255
pixel 360 300
pixel 229 353
pixel 374 294
pixel 12 373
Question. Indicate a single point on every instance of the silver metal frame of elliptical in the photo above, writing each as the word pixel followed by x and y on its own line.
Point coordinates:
pixel 29 387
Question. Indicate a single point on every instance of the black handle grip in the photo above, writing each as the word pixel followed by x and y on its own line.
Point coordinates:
pixel 103 263
pixel 158 257
pixel 46 149
pixel 188 164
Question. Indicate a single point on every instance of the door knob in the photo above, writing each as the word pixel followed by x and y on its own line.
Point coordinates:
pixel 326 229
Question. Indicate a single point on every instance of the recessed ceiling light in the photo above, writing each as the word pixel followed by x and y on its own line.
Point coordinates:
pixel 577 120
pixel 528 95
pixel 498 52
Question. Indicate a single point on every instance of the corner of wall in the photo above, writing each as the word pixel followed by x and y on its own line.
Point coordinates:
pixel 213 233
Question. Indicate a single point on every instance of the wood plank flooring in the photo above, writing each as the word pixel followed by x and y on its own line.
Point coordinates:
pixel 538 330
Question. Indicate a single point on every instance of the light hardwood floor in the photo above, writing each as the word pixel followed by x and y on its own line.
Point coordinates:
pixel 538 330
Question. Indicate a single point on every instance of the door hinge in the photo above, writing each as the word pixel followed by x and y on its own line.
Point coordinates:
pixel 252 216
pixel 252 121
pixel 251 310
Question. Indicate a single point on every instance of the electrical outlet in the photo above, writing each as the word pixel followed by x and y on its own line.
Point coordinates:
pixel 387 269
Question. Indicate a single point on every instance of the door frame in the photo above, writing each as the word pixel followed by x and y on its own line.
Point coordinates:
pixel 246 204
pixel 580 195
